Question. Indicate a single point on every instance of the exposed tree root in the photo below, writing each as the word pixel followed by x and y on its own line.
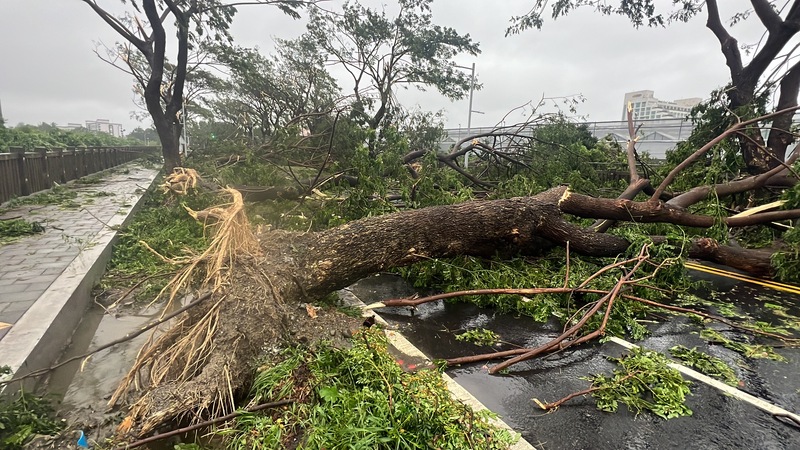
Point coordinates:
pixel 197 367
pixel 202 360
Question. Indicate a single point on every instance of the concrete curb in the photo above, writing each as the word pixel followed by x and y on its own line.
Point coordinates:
pixel 40 336
pixel 458 392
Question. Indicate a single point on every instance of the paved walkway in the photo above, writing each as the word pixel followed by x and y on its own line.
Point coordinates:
pixel 40 274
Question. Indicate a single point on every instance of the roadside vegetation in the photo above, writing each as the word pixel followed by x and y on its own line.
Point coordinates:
pixel 162 232
pixel 48 136
pixel 358 397
pixel 23 416
pixel 293 192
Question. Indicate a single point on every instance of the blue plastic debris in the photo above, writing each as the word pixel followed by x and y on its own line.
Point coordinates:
pixel 82 441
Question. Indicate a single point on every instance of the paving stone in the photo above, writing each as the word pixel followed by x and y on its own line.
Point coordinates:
pixel 22 297
pixel 13 289
pixel 15 252
pixel 12 316
pixel 43 278
pixel 17 274
pixel 31 264
pixel 51 263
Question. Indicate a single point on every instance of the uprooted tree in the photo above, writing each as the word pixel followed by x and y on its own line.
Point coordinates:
pixel 253 282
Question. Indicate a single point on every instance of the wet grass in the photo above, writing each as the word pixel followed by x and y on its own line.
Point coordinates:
pixel 704 363
pixel 60 195
pixel 24 416
pixel 162 225
pixel 359 398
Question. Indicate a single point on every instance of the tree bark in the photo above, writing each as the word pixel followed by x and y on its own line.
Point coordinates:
pixel 759 156
pixel 294 267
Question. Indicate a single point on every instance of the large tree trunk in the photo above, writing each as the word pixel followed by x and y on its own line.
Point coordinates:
pixel 169 135
pixel 242 321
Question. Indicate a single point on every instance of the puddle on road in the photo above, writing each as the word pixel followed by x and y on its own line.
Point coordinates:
pixel 718 421
pixel 85 391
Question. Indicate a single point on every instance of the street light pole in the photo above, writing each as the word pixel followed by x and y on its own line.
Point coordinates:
pixel 469 114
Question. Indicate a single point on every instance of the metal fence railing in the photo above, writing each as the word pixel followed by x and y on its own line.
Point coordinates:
pixel 25 172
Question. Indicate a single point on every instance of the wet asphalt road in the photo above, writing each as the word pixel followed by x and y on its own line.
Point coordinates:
pixel 718 421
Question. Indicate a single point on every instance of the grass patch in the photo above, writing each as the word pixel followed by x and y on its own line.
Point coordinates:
pixel 748 350
pixel 165 226
pixel 102 194
pixel 479 336
pixel 91 179
pixel 24 417
pixel 359 398
pixel 11 230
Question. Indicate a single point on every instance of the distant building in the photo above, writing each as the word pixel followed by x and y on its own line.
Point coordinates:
pixel 105 126
pixel 647 107
pixel 70 126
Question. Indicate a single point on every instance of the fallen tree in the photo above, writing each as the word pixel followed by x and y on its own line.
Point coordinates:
pixel 198 366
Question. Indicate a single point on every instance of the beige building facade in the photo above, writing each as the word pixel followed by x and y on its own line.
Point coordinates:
pixel 647 107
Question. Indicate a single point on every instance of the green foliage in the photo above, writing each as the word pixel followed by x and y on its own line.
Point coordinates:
pixel 164 226
pixel 360 398
pixel 50 136
pixel 187 447
pixel 23 417
pixel 382 53
pixel 61 195
pixel 724 162
pixel 260 96
pixel 787 261
pixel 11 230
pixel 639 12
pixel 748 350
pixel 560 152
pixel 643 383
pixel 479 336
pixel 466 273
pixel 707 364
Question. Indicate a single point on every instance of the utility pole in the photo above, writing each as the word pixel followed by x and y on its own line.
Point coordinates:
pixel 469 114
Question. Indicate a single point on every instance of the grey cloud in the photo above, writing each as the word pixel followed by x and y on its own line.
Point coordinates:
pixel 50 72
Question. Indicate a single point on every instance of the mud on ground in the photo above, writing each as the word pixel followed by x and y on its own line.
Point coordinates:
pixel 303 323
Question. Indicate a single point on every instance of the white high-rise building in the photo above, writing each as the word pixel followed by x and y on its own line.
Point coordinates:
pixel 105 126
pixel 647 107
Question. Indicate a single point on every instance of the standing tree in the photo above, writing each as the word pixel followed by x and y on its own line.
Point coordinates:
pixel 194 21
pixel 781 21
pixel 382 53
pixel 263 94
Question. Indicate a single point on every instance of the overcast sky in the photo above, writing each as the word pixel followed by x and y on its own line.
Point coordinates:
pixel 50 73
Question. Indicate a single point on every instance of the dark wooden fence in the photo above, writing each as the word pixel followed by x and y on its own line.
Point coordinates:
pixel 23 173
